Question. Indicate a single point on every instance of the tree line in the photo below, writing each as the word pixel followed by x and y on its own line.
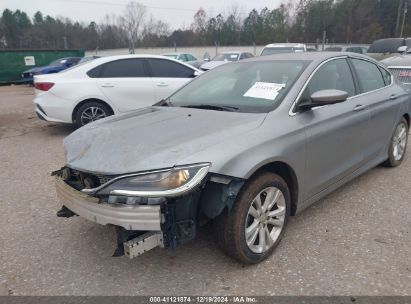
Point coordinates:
pixel 338 21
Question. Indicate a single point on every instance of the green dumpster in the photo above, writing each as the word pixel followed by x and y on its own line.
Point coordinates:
pixel 14 62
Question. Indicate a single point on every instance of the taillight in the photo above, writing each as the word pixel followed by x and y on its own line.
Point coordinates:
pixel 43 86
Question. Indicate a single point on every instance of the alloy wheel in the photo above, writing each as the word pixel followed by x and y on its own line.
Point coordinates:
pixel 91 114
pixel 399 141
pixel 265 220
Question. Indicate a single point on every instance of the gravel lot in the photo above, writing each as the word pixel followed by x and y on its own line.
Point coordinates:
pixel 356 241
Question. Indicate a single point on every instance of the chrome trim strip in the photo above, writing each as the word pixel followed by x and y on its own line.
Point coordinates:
pixel 291 111
pixel 95 190
pixel 399 67
pixel 201 174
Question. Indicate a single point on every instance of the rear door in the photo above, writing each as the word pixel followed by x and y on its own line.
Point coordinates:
pixel 126 84
pixel 382 99
pixel 168 76
pixel 335 133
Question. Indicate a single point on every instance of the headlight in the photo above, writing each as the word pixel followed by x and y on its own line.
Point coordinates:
pixel 165 183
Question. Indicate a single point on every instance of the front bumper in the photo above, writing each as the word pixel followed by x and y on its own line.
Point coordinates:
pixel 130 217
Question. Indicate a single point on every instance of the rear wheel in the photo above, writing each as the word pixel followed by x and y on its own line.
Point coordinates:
pixel 91 111
pixel 254 227
pixel 398 144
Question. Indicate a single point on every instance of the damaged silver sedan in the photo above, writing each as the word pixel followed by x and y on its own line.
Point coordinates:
pixel 246 145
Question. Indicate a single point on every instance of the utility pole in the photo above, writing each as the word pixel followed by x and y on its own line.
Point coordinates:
pixel 403 18
pixel 397 25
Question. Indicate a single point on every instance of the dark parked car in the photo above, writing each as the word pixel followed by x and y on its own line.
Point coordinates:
pixel 384 48
pixel 53 67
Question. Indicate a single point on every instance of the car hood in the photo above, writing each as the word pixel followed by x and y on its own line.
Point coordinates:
pixel 153 138
pixel 399 60
pixel 212 64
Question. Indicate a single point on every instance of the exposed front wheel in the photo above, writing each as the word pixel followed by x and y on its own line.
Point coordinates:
pixel 398 144
pixel 254 227
pixel 91 111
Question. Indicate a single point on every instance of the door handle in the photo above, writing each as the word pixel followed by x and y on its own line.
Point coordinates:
pixel 162 84
pixel 360 107
pixel 107 85
pixel 393 97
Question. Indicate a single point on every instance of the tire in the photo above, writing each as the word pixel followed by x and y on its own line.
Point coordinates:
pixel 398 144
pixel 91 111
pixel 230 227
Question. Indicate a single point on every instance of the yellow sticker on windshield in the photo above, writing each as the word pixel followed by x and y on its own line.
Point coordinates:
pixel 264 90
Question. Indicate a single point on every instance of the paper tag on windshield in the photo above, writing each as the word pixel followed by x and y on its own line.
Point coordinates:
pixel 264 90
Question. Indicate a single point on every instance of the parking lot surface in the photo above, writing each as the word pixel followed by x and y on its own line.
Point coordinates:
pixel 357 241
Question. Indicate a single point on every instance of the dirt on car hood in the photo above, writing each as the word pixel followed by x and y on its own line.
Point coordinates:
pixel 153 138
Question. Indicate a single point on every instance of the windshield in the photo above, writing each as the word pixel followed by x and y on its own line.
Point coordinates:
pixel 280 50
pixel 257 86
pixel 171 56
pixel 226 57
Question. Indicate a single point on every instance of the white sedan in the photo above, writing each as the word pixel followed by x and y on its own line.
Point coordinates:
pixel 107 86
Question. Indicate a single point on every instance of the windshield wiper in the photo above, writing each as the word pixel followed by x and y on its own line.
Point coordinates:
pixel 212 107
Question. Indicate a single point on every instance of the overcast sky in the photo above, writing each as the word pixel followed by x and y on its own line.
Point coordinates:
pixel 177 13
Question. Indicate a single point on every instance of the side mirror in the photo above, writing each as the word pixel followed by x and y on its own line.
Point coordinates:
pixel 206 59
pixel 402 49
pixel 196 73
pixel 323 98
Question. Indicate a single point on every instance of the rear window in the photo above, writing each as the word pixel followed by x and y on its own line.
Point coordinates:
pixel 386 45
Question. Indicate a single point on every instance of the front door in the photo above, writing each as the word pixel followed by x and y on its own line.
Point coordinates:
pixel 168 76
pixel 335 133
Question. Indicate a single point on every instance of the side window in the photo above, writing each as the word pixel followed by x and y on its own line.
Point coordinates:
pixel 95 72
pixel 123 68
pixel 243 56
pixel 335 74
pixel 169 69
pixel 386 76
pixel 369 75
pixel 190 57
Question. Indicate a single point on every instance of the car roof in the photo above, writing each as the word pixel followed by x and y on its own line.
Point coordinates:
pixel 105 59
pixel 131 56
pixel 285 44
pixel 310 56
